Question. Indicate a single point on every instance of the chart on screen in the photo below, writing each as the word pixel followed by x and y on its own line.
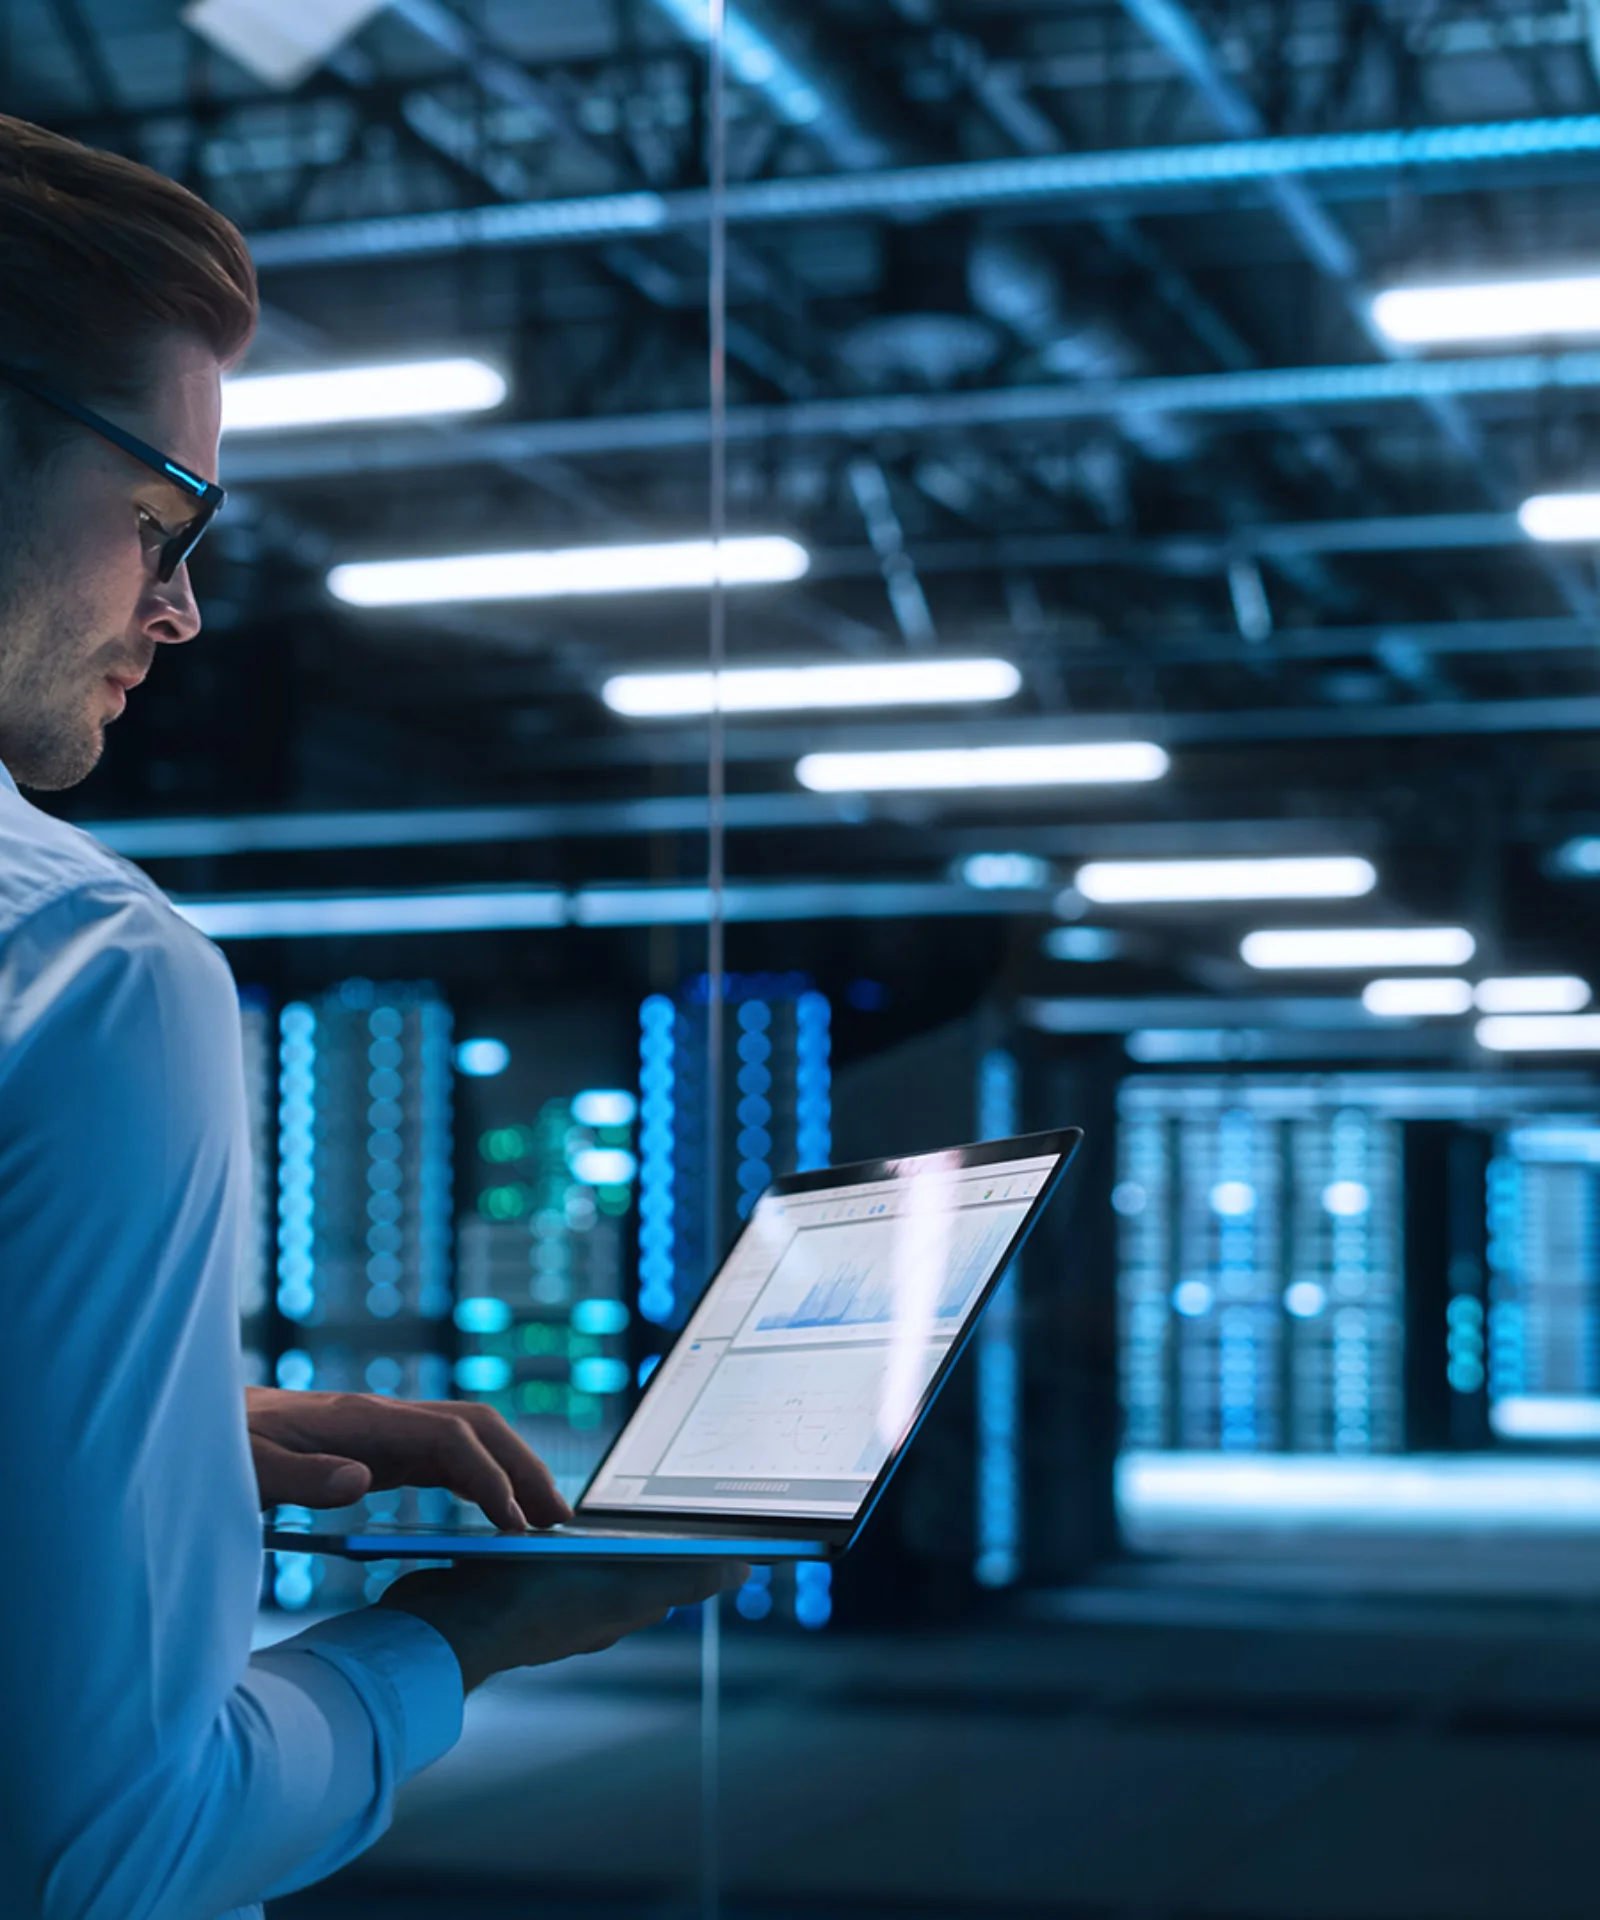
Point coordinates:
pixel 788 1415
pixel 862 1279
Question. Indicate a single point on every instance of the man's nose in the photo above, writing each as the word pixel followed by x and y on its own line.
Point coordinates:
pixel 168 613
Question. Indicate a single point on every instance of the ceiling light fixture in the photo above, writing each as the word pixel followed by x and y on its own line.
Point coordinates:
pixel 1404 999
pixel 878 683
pixel 1540 1033
pixel 345 396
pixel 1004 872
pixel 1311 949
pixel 568 571
pixel 1567 307
pixel 1534 993
pixel 1141 882
pixel 1561 516
pixel 1101 763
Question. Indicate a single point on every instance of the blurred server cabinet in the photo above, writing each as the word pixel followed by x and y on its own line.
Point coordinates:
pixel 1261 1292
pixel 776 1117
pixel 258 1035
pixel 1357 1265
pixel 542 1272
pixel 1542 1312
pixel 364 1223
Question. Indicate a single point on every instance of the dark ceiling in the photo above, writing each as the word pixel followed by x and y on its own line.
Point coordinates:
pixel 1084 419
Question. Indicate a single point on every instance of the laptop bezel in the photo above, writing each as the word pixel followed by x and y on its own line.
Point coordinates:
pixel 1062 1142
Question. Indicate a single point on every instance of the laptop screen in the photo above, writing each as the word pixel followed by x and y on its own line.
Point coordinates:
pixel 806 1363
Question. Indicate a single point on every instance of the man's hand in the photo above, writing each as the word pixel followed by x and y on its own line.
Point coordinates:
pixel 327 1449
pixel 503 1615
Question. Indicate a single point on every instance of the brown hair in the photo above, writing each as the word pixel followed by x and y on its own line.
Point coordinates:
pixel 99 259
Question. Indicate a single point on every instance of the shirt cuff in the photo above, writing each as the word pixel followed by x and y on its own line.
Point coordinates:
pixel 403 1669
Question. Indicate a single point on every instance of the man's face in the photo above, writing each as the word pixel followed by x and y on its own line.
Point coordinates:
pixel 81 609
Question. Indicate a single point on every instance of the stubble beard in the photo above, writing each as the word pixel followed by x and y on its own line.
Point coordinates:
pixel 50 734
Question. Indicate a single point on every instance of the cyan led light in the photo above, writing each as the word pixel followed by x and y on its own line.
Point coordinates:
pixel 657 1144
pixel 482 1059
pixel 483 1314
pixel 297 1054
pixel 483 1373
pixel 813 1082
pixel 999 1516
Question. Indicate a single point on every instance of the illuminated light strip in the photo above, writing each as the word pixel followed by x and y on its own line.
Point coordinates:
pixel 297 1092
pixel 1314 948
pixel 657 1155
pixel 1379 1494
pixel 345 396
pixel 560 573
pixel 1540 1032
pixel 1094 763
pixel 1546 1416
pixel 754 1142
pixel 999 1479
pixel 309 916
pixel 1561 516
pixel 813 1082
pixel 436 1208
pixel 1533 993
pixel 1563 307
pixel 1402 999
pixel 855 684
pixel 1138 882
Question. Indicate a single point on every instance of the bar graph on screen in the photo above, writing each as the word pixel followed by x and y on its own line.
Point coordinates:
pixel 866 1284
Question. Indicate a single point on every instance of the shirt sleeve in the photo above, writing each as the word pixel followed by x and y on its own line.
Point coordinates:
pixel 152 1769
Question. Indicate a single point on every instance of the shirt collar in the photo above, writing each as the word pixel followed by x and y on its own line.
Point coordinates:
pixel 7 784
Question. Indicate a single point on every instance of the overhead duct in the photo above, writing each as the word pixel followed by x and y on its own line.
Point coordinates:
pixel 1215 394
pixel 1090 181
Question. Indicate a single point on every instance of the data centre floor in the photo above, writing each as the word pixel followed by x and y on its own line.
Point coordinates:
pixel 1162 1743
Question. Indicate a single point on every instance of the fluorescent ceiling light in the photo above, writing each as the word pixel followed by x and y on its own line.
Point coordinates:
pixel 1546 1416
pixel 1398 999
pixel 1561 516
pixel 604 1107
pixel 1540 1033
pixel 945 768
pixel 344 396
pixel 1087 946
pixel 1535 993
pixel 1313 948
pixel 1405 1491
pixel 1135 882
pixel 1565 308
pixel 879 683
pixel 1002 872
pixel 552 573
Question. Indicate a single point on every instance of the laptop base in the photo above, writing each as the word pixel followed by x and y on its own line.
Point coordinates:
pixel 571 1543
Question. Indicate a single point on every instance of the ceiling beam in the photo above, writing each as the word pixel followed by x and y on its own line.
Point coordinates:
pixel 1521 376
pixel 1090 181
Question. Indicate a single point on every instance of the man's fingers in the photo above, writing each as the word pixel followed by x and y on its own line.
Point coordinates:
pixel 466 1466
pixel 306 1479
pixel 531 1482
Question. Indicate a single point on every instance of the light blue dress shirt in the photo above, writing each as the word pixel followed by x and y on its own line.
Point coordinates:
pixel 150 1768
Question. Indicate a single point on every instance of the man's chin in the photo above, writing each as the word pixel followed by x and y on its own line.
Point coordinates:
pixel 53 766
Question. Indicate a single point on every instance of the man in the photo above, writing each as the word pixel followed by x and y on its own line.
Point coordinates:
pixel 150 1769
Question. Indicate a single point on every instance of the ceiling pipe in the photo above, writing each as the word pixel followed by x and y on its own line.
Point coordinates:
pixel 403 450
pixel 1057 181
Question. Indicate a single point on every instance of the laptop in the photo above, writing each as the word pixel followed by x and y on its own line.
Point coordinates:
pixel 772 1427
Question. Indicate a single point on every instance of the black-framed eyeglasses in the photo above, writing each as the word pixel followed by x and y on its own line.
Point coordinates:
pixel 178 545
